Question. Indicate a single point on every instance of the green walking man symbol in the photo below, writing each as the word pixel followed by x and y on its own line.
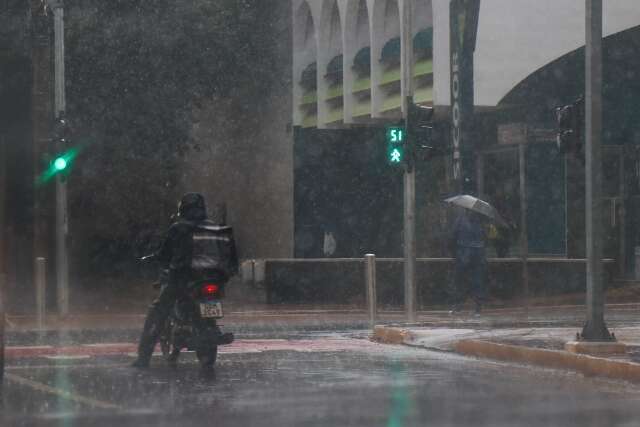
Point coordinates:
pixel 396 156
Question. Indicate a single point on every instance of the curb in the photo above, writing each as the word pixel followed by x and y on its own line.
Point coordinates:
pixel 555 359
pixel 587 365
pixel 391 335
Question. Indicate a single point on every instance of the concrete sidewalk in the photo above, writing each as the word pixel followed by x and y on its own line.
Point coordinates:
pixel 538 340
pixel 239 317
pixel 618 315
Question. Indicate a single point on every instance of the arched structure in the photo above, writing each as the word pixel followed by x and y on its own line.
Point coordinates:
pixel 305 45
pixel 363 36
pixel 330 69
pixel 385 56
pixel 423 52
pixel 357 77
pixel 509 50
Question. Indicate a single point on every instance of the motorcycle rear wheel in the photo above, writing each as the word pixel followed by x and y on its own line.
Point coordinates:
pixel 207 356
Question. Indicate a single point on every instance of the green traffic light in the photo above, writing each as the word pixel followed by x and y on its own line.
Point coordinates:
pixel 60 164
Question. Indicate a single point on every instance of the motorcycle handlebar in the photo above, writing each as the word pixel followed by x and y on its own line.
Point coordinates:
pixel 149 257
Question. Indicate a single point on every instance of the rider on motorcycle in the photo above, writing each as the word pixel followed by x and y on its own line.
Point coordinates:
pixel 175 256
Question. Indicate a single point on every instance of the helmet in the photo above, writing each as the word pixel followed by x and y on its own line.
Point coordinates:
pixel 192 207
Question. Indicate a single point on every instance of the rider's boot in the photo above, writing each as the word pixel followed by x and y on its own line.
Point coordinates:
pixel 147 343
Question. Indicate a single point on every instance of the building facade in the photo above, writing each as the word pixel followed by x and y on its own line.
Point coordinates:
pixel 527 58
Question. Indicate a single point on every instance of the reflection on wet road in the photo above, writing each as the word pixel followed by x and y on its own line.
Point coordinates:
pixel 319 380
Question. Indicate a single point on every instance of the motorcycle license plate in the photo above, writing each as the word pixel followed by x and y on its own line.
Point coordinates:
pixel 212 309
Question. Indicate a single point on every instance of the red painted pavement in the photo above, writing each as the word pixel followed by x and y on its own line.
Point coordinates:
pixel 239 346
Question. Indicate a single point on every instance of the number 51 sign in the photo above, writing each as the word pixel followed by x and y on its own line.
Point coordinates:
pixel 395 145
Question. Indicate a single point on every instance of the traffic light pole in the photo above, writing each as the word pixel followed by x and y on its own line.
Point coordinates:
pixel 409 172
pixel 62 259
pixel 595 328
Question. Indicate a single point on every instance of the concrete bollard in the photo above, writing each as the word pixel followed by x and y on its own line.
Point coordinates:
pixel 246 271
pixel 370 281
pixel 41 279
pixel 259 271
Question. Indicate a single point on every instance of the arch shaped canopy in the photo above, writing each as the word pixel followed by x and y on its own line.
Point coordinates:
pixel 509 50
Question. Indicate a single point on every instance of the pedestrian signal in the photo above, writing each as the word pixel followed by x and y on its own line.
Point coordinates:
pixel 395 145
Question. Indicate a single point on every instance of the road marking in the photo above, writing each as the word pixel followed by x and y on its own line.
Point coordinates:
pixel 44 388
pixel 78 350
pixel 238 346
pixel 68 366
pixel 69 357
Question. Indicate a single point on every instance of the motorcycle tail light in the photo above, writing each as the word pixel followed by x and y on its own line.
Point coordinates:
pixel 210 290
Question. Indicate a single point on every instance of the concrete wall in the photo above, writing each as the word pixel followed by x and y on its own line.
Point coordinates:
pixel 342 281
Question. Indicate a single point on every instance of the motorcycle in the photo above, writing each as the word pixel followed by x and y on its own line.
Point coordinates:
pixel 192 323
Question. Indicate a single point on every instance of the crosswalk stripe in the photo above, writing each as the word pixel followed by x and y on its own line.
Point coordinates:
pixel 44 388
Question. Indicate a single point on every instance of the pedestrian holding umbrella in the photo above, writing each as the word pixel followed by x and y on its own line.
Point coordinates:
pixel 479 206
pixel 468 240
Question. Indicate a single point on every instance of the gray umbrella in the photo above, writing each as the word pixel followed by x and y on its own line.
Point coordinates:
pixel 476 205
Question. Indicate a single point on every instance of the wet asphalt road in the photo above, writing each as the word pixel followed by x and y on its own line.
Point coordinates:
pixel 337 379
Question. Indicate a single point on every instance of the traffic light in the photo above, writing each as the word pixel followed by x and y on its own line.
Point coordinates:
pixel 63 156
pixel 415 140
pixel 570 121
pixel 60 163
pixel 421 134
pixel 396 139
pixel 61 129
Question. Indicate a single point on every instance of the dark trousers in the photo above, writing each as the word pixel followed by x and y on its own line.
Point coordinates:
pixel 469 275
pixel 156 317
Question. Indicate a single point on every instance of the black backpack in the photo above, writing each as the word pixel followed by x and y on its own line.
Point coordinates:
pixel 214 250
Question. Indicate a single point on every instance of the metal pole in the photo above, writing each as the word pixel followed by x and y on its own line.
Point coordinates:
pixel 3 247
pixel 524 233
pixel 58 33
pixel 370 279
pixel 41 277
pixel 409 174
pixel 3 192
pixel 253 273
pixel 40 122
pixel 62 259
pixel 594 329
pixel 621 215
pixel 480 174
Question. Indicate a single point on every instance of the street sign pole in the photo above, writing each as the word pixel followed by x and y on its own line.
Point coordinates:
pixel 409 173
pixel 595 328
pixel 62 259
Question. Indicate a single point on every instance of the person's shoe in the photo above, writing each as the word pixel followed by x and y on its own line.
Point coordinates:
pixel 477 311
pixel 226 338
pixel 140 364
pixel 172 360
